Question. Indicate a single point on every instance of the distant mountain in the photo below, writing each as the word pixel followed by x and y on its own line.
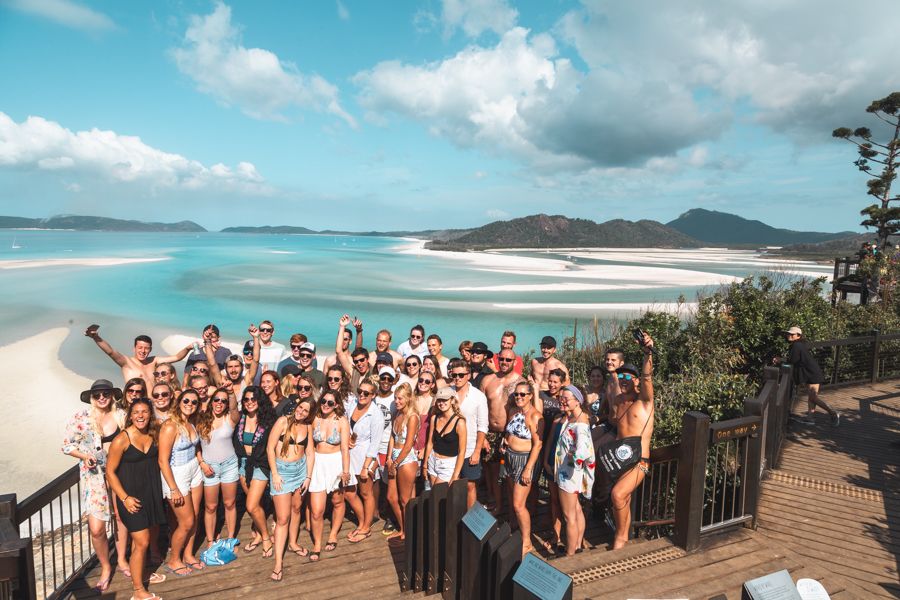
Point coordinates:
pixel 428 234
pixel 277 229
pixel 724 228
pixel 545 231
pixel 86 223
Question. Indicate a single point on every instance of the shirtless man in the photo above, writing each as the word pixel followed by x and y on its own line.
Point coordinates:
pixel 498 387
pixel 239 375
pixel 346 338
pixel 356 364
pixel 546 362
pixel 605 379
pixel 383 344
pixel 141 364
pixel 631 412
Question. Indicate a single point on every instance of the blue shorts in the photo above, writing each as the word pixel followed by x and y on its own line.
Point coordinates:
pixel 223 472
pixel 292 474
pixel 258 474
pixel 470 472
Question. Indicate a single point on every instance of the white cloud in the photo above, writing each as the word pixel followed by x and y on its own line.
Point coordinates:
pixel 254 79
pixel 65 12
pixel 496 213
pixel 343 13
pixel 39 144
pixel 477 16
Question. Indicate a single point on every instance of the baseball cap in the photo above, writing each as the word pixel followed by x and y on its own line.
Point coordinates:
pixel 308 346
pixel 384 357
pixel 248 347
pixel 386 369
pixel 445 394
pixel 290 370
pixel 629 368
pixel 794 330
pixel 549 341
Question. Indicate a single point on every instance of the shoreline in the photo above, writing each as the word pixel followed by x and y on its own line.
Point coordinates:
pixel 37 263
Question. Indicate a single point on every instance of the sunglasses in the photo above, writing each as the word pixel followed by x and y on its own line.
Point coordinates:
pixel 501 359
pixel 98 395
pixel 365 394
pixel 361 359
pixel 413 363
pixel 305 355
pixel 329 403
pixel 187 401
pixel 162 395
pixel 295 346
pixel 222 400
pixel 385 377
pixel 266 329
pixel 335 379
pixel 626 376
pixel 415 336
pixel 303 388
pixel 458 375
pixel 249 400
pixel 200 369
pixel 426 381
pixel 200 389
pixel 160 373
pixel 521 395
pixel 134 390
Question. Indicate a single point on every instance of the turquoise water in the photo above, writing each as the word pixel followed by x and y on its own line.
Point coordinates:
pixel 301 283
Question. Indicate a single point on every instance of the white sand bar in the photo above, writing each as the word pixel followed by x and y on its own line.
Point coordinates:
pixel 75 262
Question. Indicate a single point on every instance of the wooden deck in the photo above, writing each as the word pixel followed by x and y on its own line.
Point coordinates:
pixel 829 511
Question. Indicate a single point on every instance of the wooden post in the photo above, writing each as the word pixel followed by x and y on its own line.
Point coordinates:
pixel 456 508
pixel 691 479
pixel 755 464
pixel 876 350
pixel 16 553
pixel 408 575
pixel 437 552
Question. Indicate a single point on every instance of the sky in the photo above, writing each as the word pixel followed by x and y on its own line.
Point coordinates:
pixel 400 115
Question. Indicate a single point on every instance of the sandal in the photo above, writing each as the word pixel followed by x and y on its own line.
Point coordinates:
pixel 358 536
pixel 314 556
pixel 277 575
pixel 102 585
pixel 251 546
pixel 197 566
pixel 301 552
pixel 156 578
pixel 268 553
pixel 330 546
pixel 177 571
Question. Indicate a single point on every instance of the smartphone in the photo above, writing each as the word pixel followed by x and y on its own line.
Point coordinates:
pixel 93 328
pixel 638 336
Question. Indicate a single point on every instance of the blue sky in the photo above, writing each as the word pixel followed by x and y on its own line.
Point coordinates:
pixel 453 113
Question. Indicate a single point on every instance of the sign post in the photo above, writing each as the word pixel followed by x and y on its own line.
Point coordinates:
pixel 504 564
pixel 478 527
pixel 538 580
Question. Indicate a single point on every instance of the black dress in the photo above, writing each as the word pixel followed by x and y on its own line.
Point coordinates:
pixel 139 474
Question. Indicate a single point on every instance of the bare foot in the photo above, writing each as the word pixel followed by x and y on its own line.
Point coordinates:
pixel 619 543
pixel 527 549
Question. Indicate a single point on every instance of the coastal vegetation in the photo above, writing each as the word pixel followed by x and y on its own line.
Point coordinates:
pixel 716 227
pixel 87 223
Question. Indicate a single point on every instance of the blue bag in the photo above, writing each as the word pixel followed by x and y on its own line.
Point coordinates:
pixel 220 553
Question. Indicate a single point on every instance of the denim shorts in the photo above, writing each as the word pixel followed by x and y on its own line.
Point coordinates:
pixel 470 472
pixel 223 472
pixel 293 474
pixel 258 474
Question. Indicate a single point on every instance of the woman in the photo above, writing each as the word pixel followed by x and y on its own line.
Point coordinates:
pixel 165 373
pixel 331 470
pixel 446 449
pixel 88 435
pixel 250 440
pixel 807 372
pixel 270 383
pixel 431 365
pixel 574 464
pixel 134 477
pixel 336 381
pixel 402 465
pixel 219 462
pixel 366 427
pixel 182 481
pixel 135 388
pixel 412 364
pixel 424 397
pixel 523 449
pixel 162 401
pixel 290 460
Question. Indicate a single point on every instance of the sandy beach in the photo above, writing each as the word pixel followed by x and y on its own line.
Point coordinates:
pixel 76 262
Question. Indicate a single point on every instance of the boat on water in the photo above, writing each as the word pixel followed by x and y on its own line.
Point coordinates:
pixel 15 245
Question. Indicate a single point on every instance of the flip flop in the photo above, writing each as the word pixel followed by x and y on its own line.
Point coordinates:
pixel 196 566
pixel 176 572
pixel 358 537
pixel 330 546
pixel 301 552
pixel 276 576
pixel 156 578
pixel 314 556
pixel 251 546
pixel 102 585
pixel 270 551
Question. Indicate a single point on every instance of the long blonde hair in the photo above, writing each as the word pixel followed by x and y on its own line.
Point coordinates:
pixel 404 390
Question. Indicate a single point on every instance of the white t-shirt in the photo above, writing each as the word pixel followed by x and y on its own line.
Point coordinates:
pixel 475 410
pixel 387 407
pixel 406 350
pixel 443 362
pixel 270 356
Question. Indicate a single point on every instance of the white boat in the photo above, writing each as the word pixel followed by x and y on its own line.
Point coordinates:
pixel 15 246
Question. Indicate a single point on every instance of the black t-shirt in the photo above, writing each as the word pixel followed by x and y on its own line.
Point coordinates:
pixel 479 375
pixel 221 355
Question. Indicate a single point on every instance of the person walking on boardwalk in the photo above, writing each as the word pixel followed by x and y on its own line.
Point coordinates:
pixel 808 372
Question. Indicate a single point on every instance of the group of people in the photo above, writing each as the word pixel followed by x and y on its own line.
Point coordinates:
pixel 366 427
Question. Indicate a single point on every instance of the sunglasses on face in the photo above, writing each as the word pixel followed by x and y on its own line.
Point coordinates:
pixel 200 369
pixel 222 400
pixel 385 377
pixel 266 329
pixel 521 395
pixel 335 379
pixel 305 355
pixel 426 381
pixel 160 373
pixel 458 375
pixel 415 336
pixel 98 395
pixel 303 388
pixel 501 359
pixel 134 390
pixel 250 400
pixel 295 346
pixel 162 395
pixel 329 403
pixel 412 363
pixel 360 360
pixel 365 394
pixel 626 376
pixel 187 401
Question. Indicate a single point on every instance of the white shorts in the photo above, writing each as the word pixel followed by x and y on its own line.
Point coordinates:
pixel 326 473
pixel 187 477
pixel 441 468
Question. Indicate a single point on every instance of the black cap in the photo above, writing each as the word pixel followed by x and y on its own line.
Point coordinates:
pixel 290 370
pixel 212 327
pixel 549 341
pixel 481 348
pixel 629 368
pixel 385 358
pixel 248 347
pixel 101 385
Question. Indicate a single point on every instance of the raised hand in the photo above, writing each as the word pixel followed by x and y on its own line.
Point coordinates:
pixel 253 330
pixel 357 323
pixel 345 320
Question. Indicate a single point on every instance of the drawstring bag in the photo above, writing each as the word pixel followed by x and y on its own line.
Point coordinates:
pixel 220 553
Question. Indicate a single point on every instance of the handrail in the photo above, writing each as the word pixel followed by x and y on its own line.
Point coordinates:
pixel 39 499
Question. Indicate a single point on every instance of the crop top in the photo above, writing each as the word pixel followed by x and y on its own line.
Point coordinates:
pixel 334 438
pixel 183 450
pixel 446 441
pixel 518 428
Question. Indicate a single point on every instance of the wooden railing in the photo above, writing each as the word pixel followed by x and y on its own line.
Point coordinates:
pixel 860 359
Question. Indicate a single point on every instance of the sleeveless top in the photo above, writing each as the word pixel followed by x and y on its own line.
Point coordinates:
pixel 518 428
pixel 446 441
pixel 334 438
pixel 183 451
pixel 399 438
pixel 293 442
pixel 219 446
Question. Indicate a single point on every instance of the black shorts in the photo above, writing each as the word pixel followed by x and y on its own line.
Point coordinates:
pixel 470 471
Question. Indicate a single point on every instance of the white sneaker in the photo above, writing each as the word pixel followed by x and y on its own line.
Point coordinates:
pixel 835 419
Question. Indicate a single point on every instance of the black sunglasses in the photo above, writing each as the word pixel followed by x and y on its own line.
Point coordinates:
pixel 458 375
pixel 385 377
pixel 335 379
pixel 303 388
pixel 162 395
pixel 266 329
pixel 361 359
pixel 187 401
pixel 329 403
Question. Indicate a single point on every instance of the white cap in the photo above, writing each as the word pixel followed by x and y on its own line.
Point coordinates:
pixel 794 331
pixel 386 369
pixel 308 346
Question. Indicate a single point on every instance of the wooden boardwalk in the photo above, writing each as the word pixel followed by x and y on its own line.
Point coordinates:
pixel 830 511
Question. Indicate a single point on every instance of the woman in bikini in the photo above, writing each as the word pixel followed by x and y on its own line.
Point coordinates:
pixel 250 441
pixel 446 448
pixel 291 459
pixel 134 477
pixel 402 465
pixel 331 471
pixel 424 399
pixel 524 432
pixel 366 429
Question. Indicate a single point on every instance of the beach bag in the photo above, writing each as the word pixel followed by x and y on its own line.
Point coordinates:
pixel 618 456
pixel 220 553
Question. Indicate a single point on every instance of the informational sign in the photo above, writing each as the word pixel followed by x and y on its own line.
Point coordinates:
pixel 774 586
pixel 479 521
pixel 542 579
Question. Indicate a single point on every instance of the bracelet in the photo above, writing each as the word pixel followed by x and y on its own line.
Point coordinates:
pixel 126 499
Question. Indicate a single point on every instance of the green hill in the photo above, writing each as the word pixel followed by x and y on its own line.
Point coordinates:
pixel 87 223
pixel 715 227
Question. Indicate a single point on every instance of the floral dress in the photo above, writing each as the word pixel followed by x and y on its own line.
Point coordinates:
pixel 574 459
pixel 83 436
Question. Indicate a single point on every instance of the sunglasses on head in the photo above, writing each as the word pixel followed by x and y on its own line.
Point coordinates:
pixel 161 395
pixel 187 401
pixel 626 376
pixel 266 329
pixel 303 388
pixel 98 395
pixel 335 379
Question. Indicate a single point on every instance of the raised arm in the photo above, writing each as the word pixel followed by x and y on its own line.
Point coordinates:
pixel 358 326
pixel 177 357
pixel 646 394
pixel 343 357
pixel 214 369
pixel 250 375
pixel 93 333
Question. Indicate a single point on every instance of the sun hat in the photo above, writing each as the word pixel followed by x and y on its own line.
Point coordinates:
pixel 101 385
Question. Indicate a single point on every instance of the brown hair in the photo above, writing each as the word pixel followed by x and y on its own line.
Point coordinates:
pixel 290 421
pixel 153 427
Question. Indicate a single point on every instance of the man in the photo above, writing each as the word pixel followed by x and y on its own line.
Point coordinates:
pixel 436 348
pixel 508 342
pixel 806 371
pixel 474 408
pixel 270 353
pixel 346 338
pixel 546 362
pixel 631 414
pixel 356 364
pixel 305 356
pixel 478 363
pixel 612 360
pixel 603 429
pixel 210 338
pixel 238 374
pixel 415 344
pixel 383 344
pixel 141 364
pixel 497 388
pixel 384 399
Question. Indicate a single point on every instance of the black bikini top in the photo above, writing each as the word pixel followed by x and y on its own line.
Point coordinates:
pixel 108 438
pixel 292 441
